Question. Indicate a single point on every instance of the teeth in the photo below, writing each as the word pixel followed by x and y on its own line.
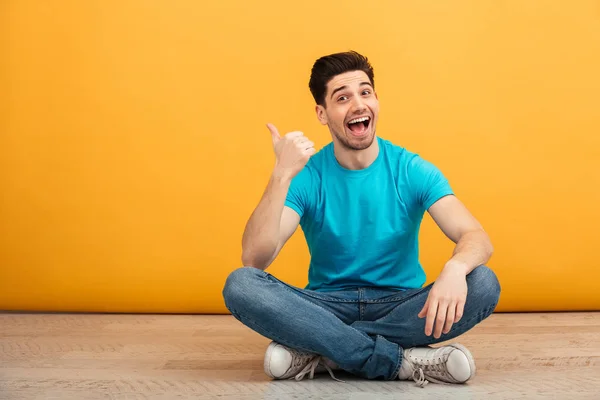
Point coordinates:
pixel 357 120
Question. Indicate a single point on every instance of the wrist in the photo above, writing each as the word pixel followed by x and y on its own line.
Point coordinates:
pixel 456 267
pixel 281 175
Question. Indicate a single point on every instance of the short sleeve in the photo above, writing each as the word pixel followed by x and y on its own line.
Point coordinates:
pixel 427 182
pixel 298 197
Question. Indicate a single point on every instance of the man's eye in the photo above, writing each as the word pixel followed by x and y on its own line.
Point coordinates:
pixel 342 98
pixel 365 92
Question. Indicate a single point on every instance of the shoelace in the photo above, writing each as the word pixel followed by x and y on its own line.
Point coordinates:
pixel 311 367
pixel 419 378
pixel 419 372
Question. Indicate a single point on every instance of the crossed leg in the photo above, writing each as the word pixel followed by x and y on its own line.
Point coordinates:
pixel 370 349
pixel 402 325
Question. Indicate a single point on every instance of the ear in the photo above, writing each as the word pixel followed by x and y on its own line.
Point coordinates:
pixel 321 114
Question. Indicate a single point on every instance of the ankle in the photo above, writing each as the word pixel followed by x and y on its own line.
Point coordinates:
pixel 329 363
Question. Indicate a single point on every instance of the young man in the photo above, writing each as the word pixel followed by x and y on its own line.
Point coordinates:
pixel 360 202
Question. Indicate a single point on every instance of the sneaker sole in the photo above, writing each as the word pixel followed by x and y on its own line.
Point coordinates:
pixel 469 356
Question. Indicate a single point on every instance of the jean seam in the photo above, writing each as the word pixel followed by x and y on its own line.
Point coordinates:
pixel 309 302
pixel 361 307
pixel 399 298
pixel 399 364
pixel 304 292
pixel 382 319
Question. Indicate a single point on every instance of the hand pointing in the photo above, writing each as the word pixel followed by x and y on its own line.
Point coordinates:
pixel 292 151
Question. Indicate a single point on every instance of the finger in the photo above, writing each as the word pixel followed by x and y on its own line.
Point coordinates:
pixel 294 134
pixel 460 307
pixel 440 320
pixel 303 142
pixel 307 145
pixel 311 151
pixel 274 133
pixel 450 317
pixel 423 312
pixel 431 317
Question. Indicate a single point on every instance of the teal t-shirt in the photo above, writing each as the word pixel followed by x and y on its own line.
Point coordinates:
pixel 362 226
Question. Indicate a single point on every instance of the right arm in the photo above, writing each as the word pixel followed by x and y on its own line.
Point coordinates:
pixel 272 224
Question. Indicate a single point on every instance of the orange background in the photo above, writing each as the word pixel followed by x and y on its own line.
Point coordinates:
pixel 133 144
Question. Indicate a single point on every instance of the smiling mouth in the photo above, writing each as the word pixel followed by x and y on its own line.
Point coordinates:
pixel 359 126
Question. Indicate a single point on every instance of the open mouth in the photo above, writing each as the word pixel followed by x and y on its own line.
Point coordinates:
pixel 359 126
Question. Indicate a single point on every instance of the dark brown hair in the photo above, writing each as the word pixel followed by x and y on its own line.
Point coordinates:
pixel 326 67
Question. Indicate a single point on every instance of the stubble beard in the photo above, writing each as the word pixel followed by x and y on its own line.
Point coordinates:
pixel 361 145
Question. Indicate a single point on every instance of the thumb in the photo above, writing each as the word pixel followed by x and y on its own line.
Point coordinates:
pixel 274 133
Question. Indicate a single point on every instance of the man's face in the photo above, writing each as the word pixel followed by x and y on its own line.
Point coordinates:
pixel 351 110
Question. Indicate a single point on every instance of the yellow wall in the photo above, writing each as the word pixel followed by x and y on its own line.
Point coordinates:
pixel 133 144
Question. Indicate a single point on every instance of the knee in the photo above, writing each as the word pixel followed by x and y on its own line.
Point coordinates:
pixel 484 286
pixel 239 285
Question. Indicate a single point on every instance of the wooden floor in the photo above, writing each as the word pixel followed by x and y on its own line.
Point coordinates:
pixel 87 356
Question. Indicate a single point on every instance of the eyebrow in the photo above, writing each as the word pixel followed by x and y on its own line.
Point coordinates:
pixel 346 87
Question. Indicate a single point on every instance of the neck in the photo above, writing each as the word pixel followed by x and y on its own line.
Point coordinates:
pixel 356 159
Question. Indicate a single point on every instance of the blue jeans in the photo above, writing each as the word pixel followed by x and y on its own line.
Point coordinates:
pixel 362 330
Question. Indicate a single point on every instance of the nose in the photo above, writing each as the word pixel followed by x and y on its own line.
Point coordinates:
pixel 358 104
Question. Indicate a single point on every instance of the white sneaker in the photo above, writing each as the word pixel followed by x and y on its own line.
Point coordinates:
pixel 282 362
pixel 447 364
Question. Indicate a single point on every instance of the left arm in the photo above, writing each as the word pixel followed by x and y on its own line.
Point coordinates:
pixel 447 297
pixel 473 246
